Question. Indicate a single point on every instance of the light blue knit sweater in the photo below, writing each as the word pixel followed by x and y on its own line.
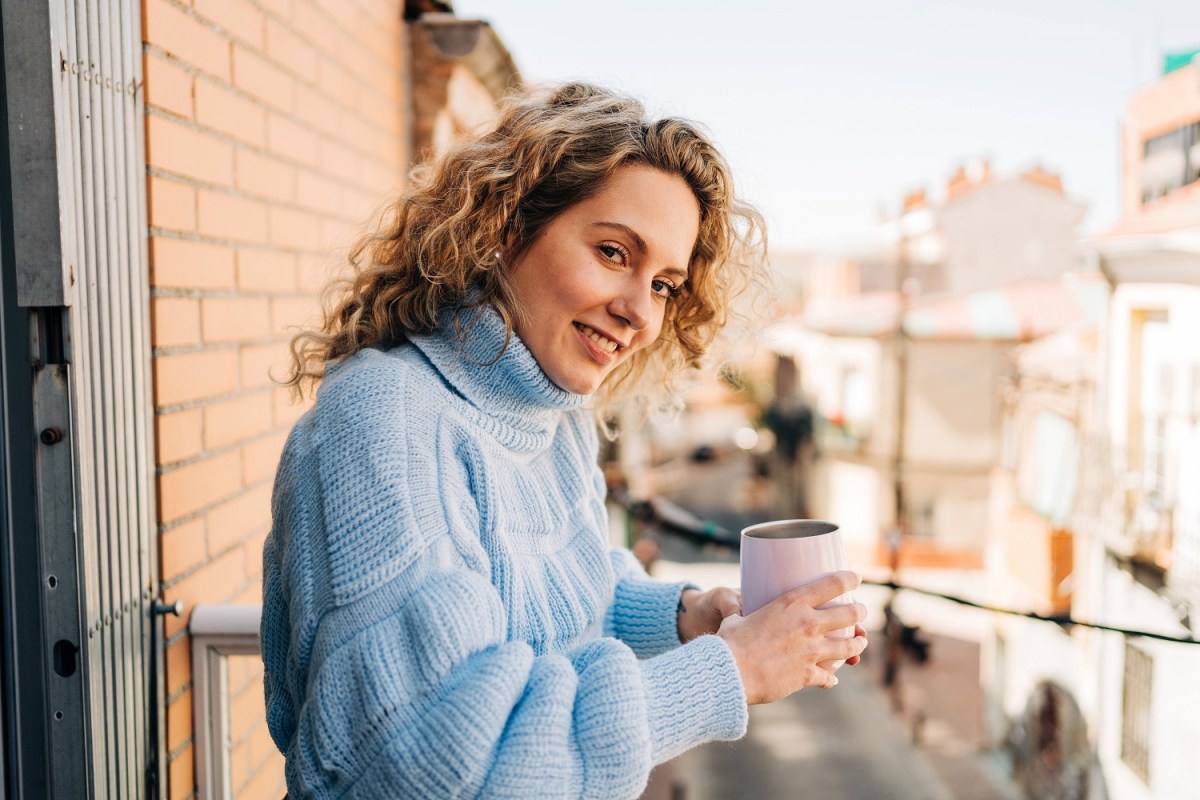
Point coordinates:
pixel 442 617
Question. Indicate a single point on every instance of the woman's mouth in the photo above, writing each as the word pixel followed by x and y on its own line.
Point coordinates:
pixel 600 340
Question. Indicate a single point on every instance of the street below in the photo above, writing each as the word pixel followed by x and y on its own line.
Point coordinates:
pixel 920 741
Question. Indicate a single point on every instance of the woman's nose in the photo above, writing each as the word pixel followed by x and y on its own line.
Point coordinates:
pixel 632 306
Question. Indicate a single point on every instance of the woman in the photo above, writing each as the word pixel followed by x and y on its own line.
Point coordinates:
pixel 442 616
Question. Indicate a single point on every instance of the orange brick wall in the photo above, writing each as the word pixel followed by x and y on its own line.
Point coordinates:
pixel 273 129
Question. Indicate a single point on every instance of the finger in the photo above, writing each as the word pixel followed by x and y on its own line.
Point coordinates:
pixel 852 661
pixel 726 602
pixel 846 649
pixel 859 630
pixel 824 589
pixel 838 617
pixel 826 679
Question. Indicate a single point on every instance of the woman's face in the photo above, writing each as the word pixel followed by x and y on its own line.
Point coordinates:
pixel 596 281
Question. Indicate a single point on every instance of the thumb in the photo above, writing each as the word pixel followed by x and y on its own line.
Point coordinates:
pixel 727 602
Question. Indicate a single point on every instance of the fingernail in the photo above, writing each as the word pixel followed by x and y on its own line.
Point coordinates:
pixel 835 680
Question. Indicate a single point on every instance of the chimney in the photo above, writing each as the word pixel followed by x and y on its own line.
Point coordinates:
pixel 914 201
pixel 969 175
pixel 1041 177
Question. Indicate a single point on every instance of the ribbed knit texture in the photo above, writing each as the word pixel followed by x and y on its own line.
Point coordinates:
pixel 442 617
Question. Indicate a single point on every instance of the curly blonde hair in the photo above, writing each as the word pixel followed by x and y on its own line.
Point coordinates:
pixel 436 247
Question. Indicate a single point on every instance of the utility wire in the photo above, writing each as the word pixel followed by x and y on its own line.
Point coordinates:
pixel 1058 619
pixel 679 521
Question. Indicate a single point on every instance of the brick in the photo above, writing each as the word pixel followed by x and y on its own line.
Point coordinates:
pixel 238 18
pixel 289 50
pixel 287 411
pixel 186 37
pixel 215 582
pixel 291 140
pixel 181 775
pixel 343 14
pixel 382 41
pixel 288 313
pixel 335 158
pixel 244 671
pixel 263 751
pixel 357 59
pixel 314 25
pixel 261 458
pixel 175 321
pixel 236 420
pixel 178 664
pixel 315 272
pixel 186 264
pixel 233 521
pixel 251 593
pixel 179 435
pixel 336 82
pixel 380 178
pixel 231 114
pixel 168 86
pixel 179 721
pixel 280 8
pixel 194 486
pixel 265 270
pixel 318 111
pixel 264 175
pixel 294 229
pixel 267 781
pixel 257 76
pixel 234 319
pixel 176 148
pixel 183 548
pixel 260 363
pixel 245 710
pixel 318 193
pixel 240 768
pixel 227 216
pixel 338 234
pixel 172 205
pixel 386 114
pixel 194 376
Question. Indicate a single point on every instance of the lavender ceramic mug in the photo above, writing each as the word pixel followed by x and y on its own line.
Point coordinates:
pixel 780 556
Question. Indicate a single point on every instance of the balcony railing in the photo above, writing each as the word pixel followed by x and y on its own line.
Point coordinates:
pixel 218 632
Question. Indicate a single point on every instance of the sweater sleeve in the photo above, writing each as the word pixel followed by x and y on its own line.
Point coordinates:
pixel 390 671
pixel 644 612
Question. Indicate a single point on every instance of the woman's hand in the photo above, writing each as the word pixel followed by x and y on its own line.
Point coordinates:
pixel 783 647
pixel 702 612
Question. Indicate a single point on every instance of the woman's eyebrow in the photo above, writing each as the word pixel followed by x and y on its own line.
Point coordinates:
pixel 639 243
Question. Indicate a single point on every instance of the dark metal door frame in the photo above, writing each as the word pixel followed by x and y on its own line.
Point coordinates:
pixel 46 718
pixel 78 560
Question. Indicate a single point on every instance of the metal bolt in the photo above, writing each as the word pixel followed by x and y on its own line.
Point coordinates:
pixel 51 436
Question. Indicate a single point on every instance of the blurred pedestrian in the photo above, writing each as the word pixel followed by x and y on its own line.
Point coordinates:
pixel 442 616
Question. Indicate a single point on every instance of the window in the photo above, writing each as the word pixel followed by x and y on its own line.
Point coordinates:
pixel 1170 161
pixel 1135 712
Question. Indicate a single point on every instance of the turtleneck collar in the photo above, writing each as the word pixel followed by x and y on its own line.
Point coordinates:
pixel 512 390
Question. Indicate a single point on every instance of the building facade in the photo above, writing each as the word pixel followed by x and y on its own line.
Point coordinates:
pixel 185 178
pixel 1105 436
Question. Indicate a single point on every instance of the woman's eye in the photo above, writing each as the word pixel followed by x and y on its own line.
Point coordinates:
pixel 613 253
pixel 664 288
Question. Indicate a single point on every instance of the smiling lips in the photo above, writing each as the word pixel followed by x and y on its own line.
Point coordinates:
pixel 601 341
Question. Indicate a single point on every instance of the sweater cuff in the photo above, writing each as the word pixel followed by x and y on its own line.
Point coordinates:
pixel 694 695
pixel 645 615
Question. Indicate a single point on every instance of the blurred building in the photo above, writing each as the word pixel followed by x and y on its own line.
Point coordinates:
pixel 906 380
pixel 185 178
pixel 1093 513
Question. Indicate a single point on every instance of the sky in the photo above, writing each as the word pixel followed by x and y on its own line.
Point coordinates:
pixel 831 112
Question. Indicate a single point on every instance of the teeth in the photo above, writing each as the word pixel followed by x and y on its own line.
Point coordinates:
pixel 603 342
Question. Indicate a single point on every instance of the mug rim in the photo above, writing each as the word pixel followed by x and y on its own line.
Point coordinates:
pixel 804 529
